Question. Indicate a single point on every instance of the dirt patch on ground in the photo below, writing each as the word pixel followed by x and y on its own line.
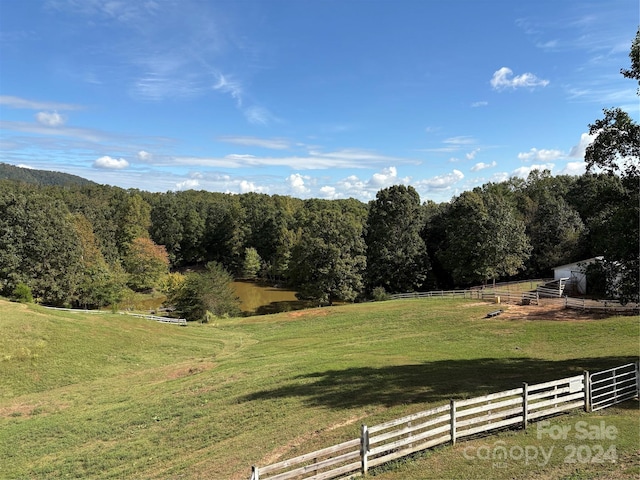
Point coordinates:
pixel 312 312
pixel 550 311
pixel 180 371
pixel 30 409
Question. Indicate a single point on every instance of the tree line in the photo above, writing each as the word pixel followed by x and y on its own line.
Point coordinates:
pixel 88 245
pixel 85 245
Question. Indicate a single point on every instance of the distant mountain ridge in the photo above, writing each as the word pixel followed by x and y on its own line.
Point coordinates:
pixel 40 177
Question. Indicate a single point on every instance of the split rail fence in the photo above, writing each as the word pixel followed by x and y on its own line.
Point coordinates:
pixel 404 436
pixel 538 297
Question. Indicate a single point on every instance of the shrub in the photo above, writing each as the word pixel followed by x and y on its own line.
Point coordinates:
pixel 22 293
pixel 380 294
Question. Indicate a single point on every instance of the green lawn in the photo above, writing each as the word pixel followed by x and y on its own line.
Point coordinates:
pixel 109 396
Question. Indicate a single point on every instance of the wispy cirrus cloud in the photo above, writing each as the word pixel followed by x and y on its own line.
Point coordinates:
pixel 86 134
pixel 313 160
pixel 18 102
pixel 504 78
pixel 270 143
pixel 460 140
pixel 226 84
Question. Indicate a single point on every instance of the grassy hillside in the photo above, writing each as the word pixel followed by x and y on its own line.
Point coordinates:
pixel 109 396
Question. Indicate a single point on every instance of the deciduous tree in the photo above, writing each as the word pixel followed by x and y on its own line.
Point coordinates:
pixel 328 263
pixel 616 149
pixel 396 253
pixel 146 263
pixel 485 239
pixel 209 291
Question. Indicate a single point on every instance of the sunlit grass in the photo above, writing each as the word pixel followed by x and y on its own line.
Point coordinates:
pixel 110 396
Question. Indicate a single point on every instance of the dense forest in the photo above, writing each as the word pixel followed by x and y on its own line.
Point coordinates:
pixel 66 241
pixel 86 245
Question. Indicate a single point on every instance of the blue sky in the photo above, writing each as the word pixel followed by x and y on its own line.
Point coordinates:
pixel 319 98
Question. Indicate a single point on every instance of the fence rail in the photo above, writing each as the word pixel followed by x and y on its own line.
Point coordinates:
pixel 606 306
pixel 613 386
pixel 398 438
pixel 178 321
pixel 537 297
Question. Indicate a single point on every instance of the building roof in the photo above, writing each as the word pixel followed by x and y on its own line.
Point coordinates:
pixel 580 262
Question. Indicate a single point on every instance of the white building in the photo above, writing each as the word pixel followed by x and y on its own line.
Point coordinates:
pixel 572 275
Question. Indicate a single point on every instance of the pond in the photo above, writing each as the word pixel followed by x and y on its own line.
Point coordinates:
pixel 258 298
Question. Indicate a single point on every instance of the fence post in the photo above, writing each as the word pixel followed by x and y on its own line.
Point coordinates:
pixel 453 421
pixel 364 449
pixel 525 405
pixel 587 392
pixel 255 475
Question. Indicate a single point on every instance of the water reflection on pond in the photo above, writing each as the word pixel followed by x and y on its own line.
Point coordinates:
pixel 258 298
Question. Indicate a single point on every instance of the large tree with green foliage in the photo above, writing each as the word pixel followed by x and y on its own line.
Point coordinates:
pixel 38 247
pixel 207 291
pixel 328 262
pixel 146 263
pixel 396 253
pixel 616 150
pixel 555 229
pixel 484 238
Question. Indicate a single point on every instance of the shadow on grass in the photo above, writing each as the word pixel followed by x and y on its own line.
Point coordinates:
pixel 280 307
pixel 430 382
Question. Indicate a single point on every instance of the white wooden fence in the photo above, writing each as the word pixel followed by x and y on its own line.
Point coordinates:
pixel 528 298
pixel 513 408
pixel 177 321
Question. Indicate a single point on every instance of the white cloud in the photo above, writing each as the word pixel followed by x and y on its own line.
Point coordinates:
pixel 159 85
pixel 542 155
pixel 246 187
pixel 578 151
pixel 441 182
pixel 50 119
pixel 187 184
pixel 504 78
pixel 110 163
pixel 471 155
pixel 461 140
pixel 271 143
pixel 258 115
pixel 387 176
pixel 523 172
pixel 144 156
pixel 314 160
pixel 481 166
pixel 230 86
pixel 81 133
pixel 17 102
pixel 573 168
pixel 481 103
pixel 296 183
pixel 328 192
pixel 352 186
pixel 22 165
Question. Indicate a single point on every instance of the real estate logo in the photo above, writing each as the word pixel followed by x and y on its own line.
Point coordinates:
pixel 588 443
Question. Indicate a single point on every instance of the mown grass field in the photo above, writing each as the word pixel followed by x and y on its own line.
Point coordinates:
pixel 109 396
